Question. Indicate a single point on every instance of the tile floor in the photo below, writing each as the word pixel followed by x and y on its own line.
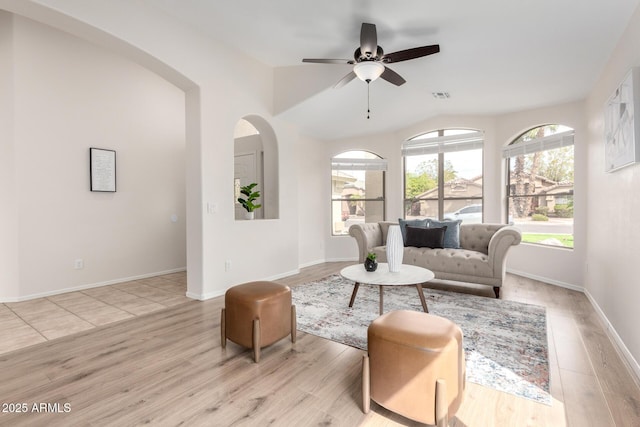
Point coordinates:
pixel 30 322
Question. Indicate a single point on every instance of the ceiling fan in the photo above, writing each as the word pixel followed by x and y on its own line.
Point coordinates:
pixel 369 59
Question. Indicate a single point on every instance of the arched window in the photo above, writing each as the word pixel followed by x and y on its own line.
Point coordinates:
pixel 443 175
pixel 540 182
pixel 357 190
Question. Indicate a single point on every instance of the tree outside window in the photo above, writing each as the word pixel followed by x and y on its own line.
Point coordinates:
pixel 443 175
pixel 541 174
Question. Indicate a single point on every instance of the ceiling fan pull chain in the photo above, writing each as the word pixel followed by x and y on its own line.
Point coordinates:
pixel 368 110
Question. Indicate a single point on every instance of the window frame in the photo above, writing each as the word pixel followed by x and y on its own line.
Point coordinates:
pixel 379 160
pixel 441 141
pixel 547 143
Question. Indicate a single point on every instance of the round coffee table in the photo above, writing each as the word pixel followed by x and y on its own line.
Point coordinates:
pixel 409 275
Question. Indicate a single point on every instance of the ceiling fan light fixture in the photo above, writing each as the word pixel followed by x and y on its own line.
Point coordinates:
pixel 368 71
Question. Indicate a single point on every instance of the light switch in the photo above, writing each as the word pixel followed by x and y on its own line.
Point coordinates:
pixel 212 208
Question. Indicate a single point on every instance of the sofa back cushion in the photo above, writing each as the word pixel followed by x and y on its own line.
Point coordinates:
pixel 384 229
pixel 476 237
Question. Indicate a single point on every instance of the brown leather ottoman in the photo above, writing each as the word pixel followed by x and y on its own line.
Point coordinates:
pixel 257 314
pixel 415 366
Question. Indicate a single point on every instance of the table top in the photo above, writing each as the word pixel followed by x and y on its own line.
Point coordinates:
pixel 408 275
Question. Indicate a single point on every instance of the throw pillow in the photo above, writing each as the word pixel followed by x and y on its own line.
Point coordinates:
pixel 452 236
pixel 425 237
pixel 423 223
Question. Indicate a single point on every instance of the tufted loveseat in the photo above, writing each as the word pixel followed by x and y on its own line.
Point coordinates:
pixel 481 257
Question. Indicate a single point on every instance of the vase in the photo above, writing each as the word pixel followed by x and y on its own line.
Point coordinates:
pixel 249 215
pixel 395 248
pixel 370 264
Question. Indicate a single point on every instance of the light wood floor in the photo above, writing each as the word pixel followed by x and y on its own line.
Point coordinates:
pixel 166 367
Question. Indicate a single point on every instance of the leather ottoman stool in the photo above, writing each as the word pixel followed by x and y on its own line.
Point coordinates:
pixel 257 314
pixel 415 366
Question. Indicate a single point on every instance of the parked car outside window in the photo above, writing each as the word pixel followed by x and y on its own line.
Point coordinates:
pixel 470 214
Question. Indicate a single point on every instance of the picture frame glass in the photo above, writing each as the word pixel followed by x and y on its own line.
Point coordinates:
pixel 102 170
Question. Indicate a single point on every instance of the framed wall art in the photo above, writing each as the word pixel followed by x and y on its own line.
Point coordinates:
pixel 102 165
pixel 621 124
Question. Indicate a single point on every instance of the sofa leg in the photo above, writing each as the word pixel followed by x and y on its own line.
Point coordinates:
pixel 496 290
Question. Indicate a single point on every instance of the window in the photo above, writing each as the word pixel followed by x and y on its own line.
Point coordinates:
pixel 540 178
pixel 443 175
pixel 357 190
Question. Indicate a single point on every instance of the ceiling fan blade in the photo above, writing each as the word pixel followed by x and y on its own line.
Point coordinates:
pixel 329 61
pixel 346 79
pixel 368 40
pixel 392 77
pixel 416 52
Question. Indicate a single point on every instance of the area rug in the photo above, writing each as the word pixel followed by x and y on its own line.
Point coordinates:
pixel 505 342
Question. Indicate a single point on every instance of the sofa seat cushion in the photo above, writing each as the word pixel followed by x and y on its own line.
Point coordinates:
pixel 459 262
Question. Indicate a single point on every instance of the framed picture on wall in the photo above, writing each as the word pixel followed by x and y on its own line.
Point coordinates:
pixel 102 165
pixel 621 126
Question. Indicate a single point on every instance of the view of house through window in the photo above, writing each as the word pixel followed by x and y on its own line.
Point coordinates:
pixel 540 179
pixel 357 190
pixel 443 175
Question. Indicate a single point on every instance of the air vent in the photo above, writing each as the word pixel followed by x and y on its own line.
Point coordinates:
pixel 441 95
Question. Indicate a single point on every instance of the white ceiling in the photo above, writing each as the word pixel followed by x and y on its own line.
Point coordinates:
pixel 497 56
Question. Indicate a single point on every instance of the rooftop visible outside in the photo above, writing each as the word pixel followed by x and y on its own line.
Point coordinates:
pixel 541 179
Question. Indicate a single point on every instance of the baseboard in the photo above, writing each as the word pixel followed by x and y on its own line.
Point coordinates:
pixel 203 297
pixel 627 357
pixel 281 275
pixel 312 263
pixel 342 259
pixel 93 285
pixel 217 293
pixel 546 280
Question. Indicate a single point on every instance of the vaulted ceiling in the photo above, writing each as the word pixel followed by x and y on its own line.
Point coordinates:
pixel 496 56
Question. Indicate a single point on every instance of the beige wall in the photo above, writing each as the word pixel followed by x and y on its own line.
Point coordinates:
pixel 9 275
pixel 69 95
pixel 553 265
pixel 211 73
pixel 613 231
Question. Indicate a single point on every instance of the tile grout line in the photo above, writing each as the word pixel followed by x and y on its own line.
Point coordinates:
pixel 26 323
pixel 93 325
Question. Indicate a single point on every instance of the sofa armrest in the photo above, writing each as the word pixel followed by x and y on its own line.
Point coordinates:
pixel 367 235
pixel 499 245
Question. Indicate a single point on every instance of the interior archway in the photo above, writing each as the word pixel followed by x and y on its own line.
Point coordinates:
pixel 256 160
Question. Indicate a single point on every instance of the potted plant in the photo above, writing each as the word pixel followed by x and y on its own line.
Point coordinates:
pixel 247 202
pixel 370 263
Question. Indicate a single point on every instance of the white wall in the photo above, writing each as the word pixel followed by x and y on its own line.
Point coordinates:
pixel 563 267
pixel 70 95
pixel 613 230
pixel 9 275
pixel 553 265
pixel 221 86
pixel 312 175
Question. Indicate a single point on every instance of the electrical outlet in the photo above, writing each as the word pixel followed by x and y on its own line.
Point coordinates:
pixel 78 264
pixel 227 265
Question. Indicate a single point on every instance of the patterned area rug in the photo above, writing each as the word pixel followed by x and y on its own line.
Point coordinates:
pixel 505 341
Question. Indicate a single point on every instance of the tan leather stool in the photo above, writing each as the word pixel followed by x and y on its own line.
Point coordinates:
pixel 257 314
pixel 415 366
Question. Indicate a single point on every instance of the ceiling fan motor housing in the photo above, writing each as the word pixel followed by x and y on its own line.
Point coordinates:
pixel 368 56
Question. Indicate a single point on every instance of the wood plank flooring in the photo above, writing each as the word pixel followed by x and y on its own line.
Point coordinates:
pixel 167 367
